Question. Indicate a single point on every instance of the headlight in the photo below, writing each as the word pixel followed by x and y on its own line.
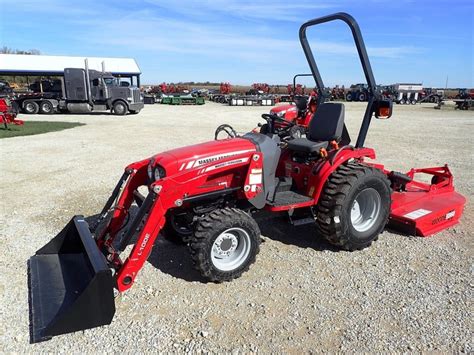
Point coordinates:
pixel 281 113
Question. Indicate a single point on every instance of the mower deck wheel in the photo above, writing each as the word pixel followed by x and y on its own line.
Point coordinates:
pixel 354 206
pixel 225 244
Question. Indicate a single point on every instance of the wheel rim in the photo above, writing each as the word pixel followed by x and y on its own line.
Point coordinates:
pixel 119 109
pixel 365 209
pixel 46 108
pixel 30 107
pixel 230 249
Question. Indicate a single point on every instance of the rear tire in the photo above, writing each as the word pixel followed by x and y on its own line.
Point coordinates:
pixel 120 108
pixel 354 206
pixel 361 96
pixel 31 108
pixel 46 107
pixel 225 244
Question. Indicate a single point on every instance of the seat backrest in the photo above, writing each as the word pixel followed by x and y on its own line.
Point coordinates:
pixel 327 123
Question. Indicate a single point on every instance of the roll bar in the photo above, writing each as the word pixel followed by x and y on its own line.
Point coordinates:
pixel 294 80
pixel 364 59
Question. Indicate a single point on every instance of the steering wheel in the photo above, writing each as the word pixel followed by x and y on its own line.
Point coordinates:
pixel 231 133
pixel 271 118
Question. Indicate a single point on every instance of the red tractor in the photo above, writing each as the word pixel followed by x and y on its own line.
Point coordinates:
pixel 205 194
pixel 263 87
pixel 8 113
pixel 301 112
pixel 225 88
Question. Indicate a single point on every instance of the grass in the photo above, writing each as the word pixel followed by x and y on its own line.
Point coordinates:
pixel 35 127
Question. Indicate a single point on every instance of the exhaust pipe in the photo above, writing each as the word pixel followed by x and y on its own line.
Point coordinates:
pixel 88 83
pixel 70 285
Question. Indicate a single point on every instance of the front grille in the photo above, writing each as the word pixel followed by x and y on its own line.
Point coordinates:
pixel 136 95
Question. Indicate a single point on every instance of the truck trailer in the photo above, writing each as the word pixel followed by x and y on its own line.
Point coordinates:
pixel 85 91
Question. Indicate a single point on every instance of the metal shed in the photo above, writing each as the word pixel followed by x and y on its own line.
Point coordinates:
pixel 47 65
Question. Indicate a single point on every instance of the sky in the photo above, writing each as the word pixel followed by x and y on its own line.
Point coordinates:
pixel 243 42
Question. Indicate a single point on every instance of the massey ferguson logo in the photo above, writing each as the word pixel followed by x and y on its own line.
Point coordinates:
pixel 195 163
pixel 210 160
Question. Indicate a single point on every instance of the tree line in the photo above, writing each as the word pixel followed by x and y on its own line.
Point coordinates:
pixel 8 50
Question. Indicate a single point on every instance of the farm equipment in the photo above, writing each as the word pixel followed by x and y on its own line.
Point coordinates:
pixel 431 95
pixel 223 96
pixel 225 88
pixel 300 111
pixel 205 195
pixel 464 94
pixel 464 100
pixel 358 92
pixel 338 93
pixel 5 89
pixel 182 100
pixel 259 88
pixel 407 93
pixel 8 113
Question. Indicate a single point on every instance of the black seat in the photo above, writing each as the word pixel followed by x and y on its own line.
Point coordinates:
pixel 326 125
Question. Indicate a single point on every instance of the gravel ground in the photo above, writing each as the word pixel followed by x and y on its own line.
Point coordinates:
pixel 401 294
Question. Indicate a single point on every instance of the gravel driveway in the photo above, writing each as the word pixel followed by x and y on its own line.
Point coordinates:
pixel 401 294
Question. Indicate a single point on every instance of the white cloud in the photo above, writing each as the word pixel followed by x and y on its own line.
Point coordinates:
pixel 247 9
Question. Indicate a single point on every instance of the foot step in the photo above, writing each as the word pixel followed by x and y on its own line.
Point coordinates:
pixel 302 221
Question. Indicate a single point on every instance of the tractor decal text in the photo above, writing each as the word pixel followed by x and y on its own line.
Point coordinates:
pixel 143 244
pixel 211 159
pixel 227 163
pixel 440 219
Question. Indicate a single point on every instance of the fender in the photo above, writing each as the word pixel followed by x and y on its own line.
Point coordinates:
pixel 341 156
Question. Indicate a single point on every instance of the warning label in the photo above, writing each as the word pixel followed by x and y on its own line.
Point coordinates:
pixel 417 213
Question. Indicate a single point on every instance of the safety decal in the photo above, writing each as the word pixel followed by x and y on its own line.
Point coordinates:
pixel 417 213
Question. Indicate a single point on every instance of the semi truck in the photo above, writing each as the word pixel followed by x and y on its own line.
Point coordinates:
pixel 85 91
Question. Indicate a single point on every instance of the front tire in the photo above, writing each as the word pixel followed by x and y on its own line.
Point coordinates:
pixel 178 228
pixel 354 206
pixel 120 108
pixel 225 244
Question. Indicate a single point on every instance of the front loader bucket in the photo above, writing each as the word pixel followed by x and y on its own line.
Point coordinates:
pixel 71 287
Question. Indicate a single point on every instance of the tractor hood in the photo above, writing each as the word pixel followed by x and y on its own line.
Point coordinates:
pixel 194 156
pixel 280 110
